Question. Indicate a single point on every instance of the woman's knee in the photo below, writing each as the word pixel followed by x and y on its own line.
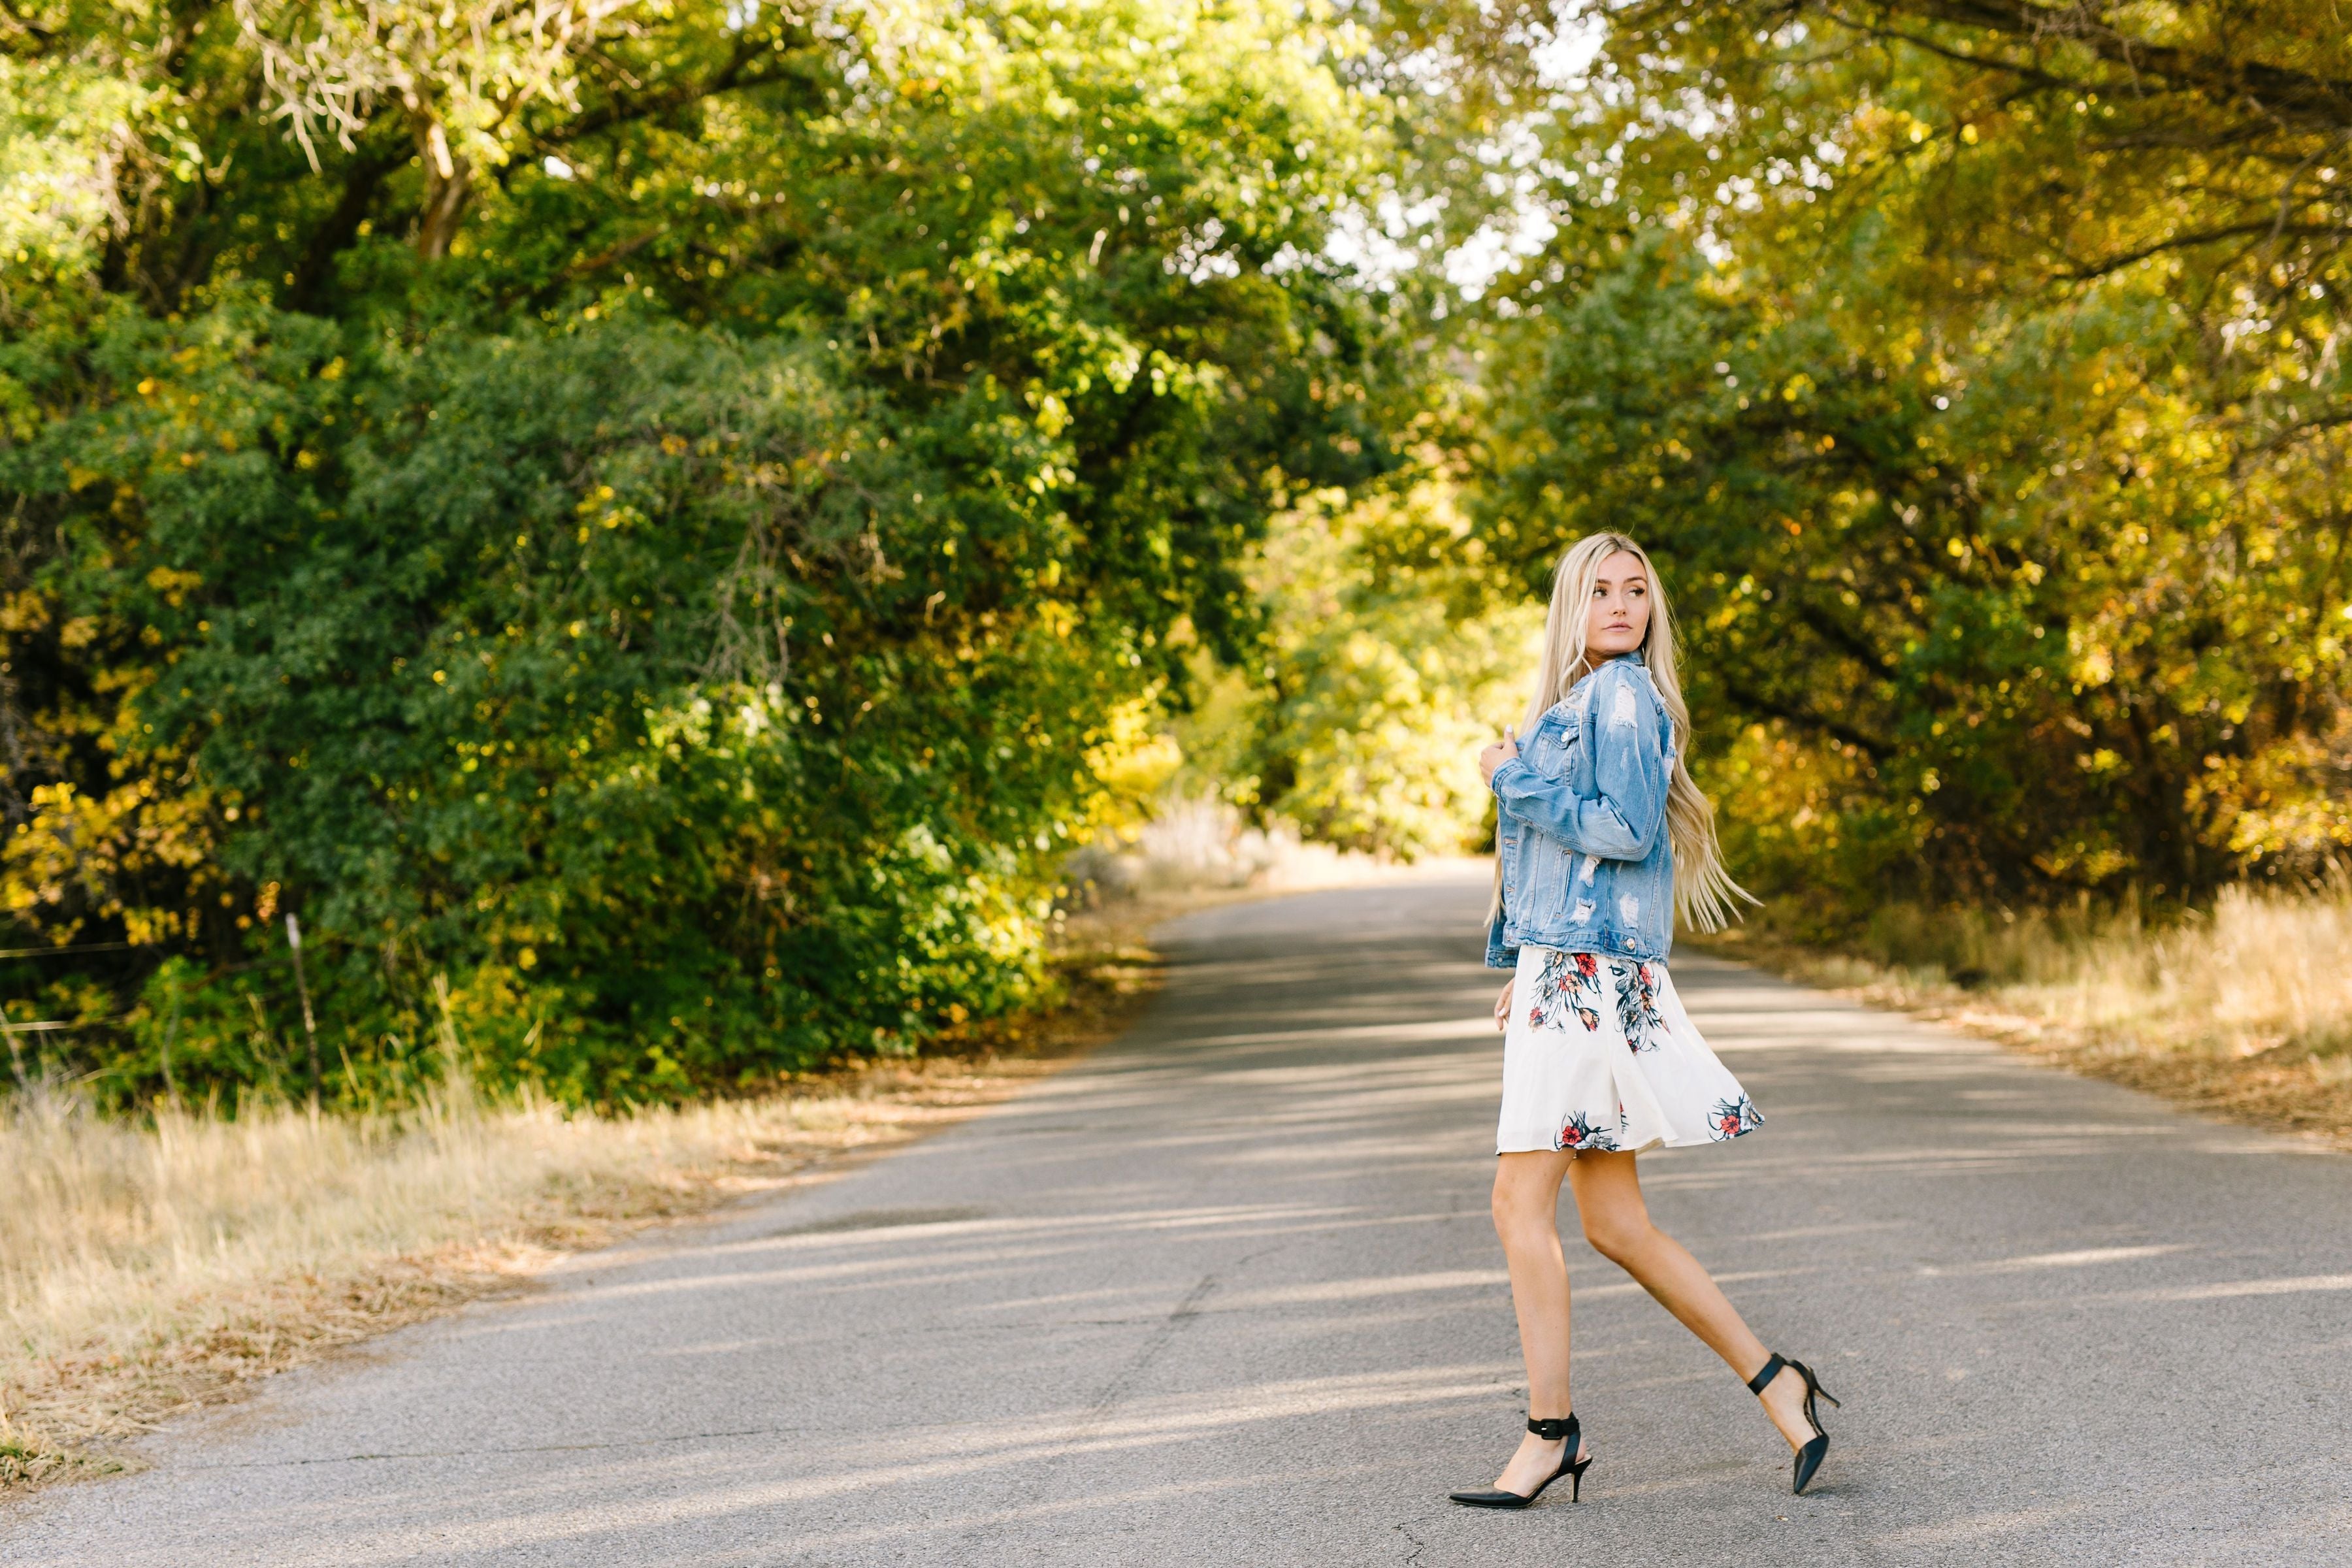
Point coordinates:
pixel 1523 1207
pixel 1617 1237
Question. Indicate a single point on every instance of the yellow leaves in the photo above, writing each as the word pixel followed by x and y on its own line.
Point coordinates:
pixel 79 632
pixel 1053 418
pixel 173 584
pixel 76 851
pixel 25 612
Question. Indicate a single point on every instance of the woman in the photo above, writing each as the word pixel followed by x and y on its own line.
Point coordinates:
pixel 1603 838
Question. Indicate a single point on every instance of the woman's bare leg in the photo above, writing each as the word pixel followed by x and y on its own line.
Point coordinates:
pixel 1617 1223
pixel 1526 1218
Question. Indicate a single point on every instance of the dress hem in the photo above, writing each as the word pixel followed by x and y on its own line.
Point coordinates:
pixel 1639 1149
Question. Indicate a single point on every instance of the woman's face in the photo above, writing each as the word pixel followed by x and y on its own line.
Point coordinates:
pixel 1619 616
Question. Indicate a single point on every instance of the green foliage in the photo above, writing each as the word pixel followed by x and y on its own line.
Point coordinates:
pixel 651 540
pixel 1994 448
pixel 1383 669
pixel 651 529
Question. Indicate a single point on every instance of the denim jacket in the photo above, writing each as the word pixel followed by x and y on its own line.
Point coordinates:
pixel 1581 823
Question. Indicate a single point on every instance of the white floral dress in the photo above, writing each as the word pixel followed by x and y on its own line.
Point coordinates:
pixel 1599 1054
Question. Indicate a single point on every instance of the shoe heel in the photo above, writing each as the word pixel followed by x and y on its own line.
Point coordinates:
pixel 1563 1429
pixel 1810 1456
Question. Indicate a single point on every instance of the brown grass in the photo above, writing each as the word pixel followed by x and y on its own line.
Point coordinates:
pixel 146 1271
pixel 2243 1011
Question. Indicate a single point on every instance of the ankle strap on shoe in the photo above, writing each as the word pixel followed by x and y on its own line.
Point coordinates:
pixel 1763 1379
pixel 1553 1430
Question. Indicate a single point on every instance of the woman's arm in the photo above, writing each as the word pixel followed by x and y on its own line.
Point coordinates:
pixel 1623 819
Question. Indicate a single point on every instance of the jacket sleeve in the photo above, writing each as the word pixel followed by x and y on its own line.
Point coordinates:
pixel 1623 819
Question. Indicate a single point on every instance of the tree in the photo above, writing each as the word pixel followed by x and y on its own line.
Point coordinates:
pixel 639 523
pixel 1996 446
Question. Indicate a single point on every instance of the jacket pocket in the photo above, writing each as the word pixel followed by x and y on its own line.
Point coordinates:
pixel 1548 753
pixel 1543 883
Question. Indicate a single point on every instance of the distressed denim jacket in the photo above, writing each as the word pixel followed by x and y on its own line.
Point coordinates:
pixel 1581 823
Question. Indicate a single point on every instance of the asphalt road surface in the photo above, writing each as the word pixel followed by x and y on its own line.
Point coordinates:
pixel 1226 1293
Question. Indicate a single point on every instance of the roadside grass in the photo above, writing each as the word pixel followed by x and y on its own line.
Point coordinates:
pixel 149 1269
pixel 2243 1010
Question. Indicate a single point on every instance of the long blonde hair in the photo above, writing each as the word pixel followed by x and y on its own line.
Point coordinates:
pixel 1705 896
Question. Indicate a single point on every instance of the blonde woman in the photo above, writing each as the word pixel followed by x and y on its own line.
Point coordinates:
pixel 1602 839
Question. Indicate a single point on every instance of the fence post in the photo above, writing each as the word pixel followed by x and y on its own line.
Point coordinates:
pixel 302 990
pixel 16 1057
pixel 171 1031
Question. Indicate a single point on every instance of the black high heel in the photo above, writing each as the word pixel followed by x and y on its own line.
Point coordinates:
pixel 1817 1447
pixel 1551 1431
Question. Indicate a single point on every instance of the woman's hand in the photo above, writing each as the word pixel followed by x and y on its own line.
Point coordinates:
pixel 1503 1004
pixel 1495 755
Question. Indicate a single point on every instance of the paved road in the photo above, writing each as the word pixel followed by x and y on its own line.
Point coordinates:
pixel 1226 1294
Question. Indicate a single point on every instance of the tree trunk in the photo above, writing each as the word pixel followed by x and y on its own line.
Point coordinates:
pixel 447 189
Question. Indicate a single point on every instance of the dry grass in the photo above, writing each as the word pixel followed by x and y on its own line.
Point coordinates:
pixel 148 1270
pixel 2243 1011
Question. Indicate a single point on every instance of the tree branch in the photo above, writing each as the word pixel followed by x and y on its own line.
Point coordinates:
pixel 1837 729
pixel 2288 96
pixel 735 76
pixel 336 233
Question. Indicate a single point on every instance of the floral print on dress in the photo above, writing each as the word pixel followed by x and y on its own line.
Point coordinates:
pixel 1636 1077
pixel 1637 1007
pixel 1570 983
pixel 1730 1118
pixel 1579 1135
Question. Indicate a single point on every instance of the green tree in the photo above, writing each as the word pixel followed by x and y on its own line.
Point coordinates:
pixel 645 527
pixel 1382 664
pixel 1996 446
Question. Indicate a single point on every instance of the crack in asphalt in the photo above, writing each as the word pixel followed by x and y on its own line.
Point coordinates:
pixel 1169 1327
pixel 1115 1392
